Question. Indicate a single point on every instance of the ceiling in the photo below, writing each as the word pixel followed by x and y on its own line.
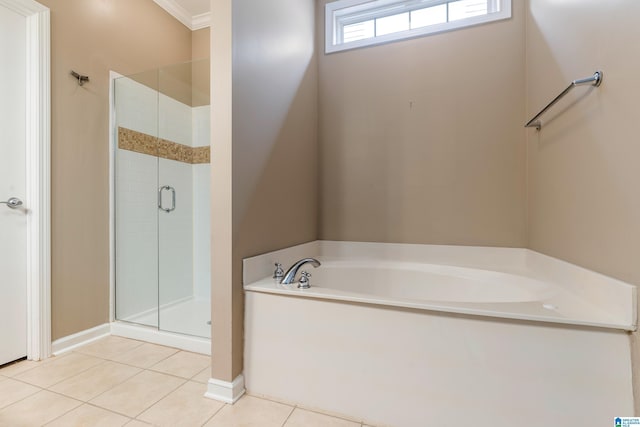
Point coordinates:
pixel 195 14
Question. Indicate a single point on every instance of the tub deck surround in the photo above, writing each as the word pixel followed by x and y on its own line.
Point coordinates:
pixel 403 357
pixel 497 282
pixel 405 368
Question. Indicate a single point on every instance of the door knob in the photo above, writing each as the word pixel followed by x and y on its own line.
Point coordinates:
pixel 13 202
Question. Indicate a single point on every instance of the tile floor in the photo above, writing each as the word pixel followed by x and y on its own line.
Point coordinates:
pixel 117 381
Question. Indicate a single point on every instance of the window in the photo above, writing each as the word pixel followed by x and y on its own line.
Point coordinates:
pixel 356 23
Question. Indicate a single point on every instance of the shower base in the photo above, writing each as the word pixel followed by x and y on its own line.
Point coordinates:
pixel 182 324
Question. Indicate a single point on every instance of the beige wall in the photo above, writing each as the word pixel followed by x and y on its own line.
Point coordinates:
pixel 421 141
pixel 200 44
pixel 584 173
pixel 274 167
pixel 201 81
pixel 93 37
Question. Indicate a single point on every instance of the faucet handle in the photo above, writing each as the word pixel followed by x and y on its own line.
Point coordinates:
pixel 305 282
pixel 279 272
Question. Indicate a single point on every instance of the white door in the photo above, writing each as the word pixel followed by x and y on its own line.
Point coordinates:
pixel 13 217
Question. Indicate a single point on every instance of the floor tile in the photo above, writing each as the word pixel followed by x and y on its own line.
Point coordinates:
pixel 20 367
pixel 183 364
pixel 109 347
pixel 202 376
pixel 58 370
pixel 251 411
pixel 36 410
pixel 89 416
pixel 303 418
pixel 185 406
pixel 137 393
pixel 12 391
pixel 92 382
pixel 145 355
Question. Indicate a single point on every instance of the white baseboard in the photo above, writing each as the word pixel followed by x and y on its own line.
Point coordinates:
pixel 136 332
pixel 227 392
pixel 70 342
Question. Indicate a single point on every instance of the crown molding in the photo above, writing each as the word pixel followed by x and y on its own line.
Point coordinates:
pixel 201 21
pixel 193 22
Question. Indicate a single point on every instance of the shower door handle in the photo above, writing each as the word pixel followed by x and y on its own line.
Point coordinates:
pixel 173 198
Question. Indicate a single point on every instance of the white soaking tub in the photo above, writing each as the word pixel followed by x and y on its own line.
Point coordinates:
pixel 421 335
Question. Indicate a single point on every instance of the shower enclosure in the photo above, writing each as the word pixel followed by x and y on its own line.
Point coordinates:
pixel 162 200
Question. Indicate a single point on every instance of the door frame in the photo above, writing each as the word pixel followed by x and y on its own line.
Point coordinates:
pixel 37 168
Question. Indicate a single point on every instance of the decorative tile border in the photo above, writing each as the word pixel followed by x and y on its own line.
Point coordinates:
pixel 146 144
pixel 137 141
pixel 201 155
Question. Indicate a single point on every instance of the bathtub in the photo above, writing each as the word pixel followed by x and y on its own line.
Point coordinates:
pixel 421 335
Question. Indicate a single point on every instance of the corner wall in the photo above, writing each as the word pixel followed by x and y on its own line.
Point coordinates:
pixel 273 149
pixel 583 164
pixel 421 140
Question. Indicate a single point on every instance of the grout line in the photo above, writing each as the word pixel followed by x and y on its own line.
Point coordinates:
pixel 47 387
pixel 115 385
pixel 123 364
pixel 74 375
pixel 120 383
pixel 317 411
pixel 199 372
pixel 111 410
pixel 269 399
pixel 26 397
pixel 93 405
pixel 83 347
pixel 303 408
pixel 24 382
pixel 171 375
pixel 64 395
pixel 161 397
pixel 65 413
pixel 214 414
pixel 20 373
pixel 171 355
pixel 289 416
pixel 140 367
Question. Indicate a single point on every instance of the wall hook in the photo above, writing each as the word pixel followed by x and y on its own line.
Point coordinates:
pixel 81 79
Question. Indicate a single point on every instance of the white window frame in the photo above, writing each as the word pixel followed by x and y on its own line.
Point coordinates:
pixel 335 9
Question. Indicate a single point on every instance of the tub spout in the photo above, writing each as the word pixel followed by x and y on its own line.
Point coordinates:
pixel 290 275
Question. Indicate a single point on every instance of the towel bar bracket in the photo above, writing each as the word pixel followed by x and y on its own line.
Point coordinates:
pixel 595 80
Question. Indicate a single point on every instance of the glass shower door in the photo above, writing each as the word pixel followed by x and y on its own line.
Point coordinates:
pixel 183 208
pixel 136 185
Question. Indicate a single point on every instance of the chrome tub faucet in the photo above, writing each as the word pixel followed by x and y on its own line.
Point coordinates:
pixel 290 275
